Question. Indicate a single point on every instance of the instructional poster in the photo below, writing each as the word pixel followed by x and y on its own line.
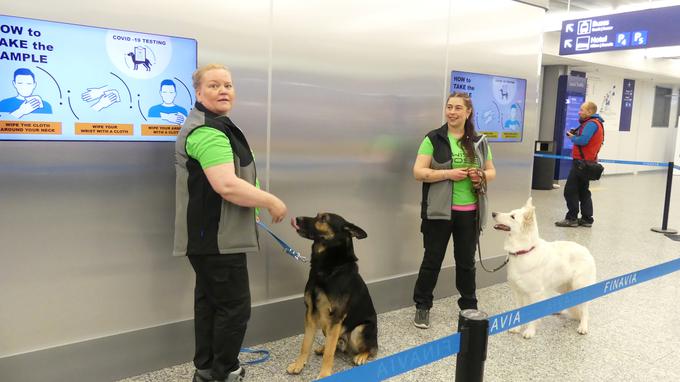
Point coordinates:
pixel 498 103
pixel 606 93
pixel 72 82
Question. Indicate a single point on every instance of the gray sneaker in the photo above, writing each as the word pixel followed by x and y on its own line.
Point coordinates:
pixel 422 319
pixel 567 223
pixel 584 223
pixel 235 376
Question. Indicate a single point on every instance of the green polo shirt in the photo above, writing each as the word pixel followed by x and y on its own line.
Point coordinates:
pixel 463 192
pixel 211 147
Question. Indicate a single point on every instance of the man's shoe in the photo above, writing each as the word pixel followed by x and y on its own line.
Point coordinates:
pixel 567 223
pixel 584 223
pixel 422 319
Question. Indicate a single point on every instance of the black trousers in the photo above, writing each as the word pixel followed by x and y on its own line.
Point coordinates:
pixel 436 234
pixel 577 195
pixel 221 311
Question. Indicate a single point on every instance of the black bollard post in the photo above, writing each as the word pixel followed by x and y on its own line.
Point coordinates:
pixel 667 204
pixel 473 326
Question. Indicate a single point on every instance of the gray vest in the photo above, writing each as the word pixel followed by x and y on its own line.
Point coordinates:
pixel 205 223
pixel 436 203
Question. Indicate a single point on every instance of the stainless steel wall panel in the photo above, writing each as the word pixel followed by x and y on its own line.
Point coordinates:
pixel 87 227
pixel 487 37
pixel 355 87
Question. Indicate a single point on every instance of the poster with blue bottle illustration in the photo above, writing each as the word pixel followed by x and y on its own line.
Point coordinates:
pixel 63 81
pixel 498 103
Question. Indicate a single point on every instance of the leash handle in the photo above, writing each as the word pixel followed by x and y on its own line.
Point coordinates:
pixel 287 248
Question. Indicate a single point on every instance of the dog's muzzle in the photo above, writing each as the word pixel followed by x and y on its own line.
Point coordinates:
pixel 501 227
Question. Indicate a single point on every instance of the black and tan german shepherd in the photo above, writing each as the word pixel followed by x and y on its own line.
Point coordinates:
pixel 336 297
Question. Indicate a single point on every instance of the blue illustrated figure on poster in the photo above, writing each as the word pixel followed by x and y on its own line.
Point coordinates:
pixel 104 96
pixel 167 110
pixel 24 102
pixel 512 123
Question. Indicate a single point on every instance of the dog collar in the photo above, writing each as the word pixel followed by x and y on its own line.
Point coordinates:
pixel 523 251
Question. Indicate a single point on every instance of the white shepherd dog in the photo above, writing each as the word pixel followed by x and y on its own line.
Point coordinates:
pixel 538 268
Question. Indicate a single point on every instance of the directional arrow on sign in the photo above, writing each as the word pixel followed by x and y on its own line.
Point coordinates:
pixel 567 44
pixel 569 28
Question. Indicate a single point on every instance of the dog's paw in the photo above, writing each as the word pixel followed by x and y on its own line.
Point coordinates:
pixel 295 367
pixel 582 329
pixel 515 330
pixel 529 333
pixel 360 358
pixel 319 350
pixel 323 374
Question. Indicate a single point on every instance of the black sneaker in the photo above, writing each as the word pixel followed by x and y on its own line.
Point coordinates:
pixel 422 319
pixel 567 223
pixel 584 223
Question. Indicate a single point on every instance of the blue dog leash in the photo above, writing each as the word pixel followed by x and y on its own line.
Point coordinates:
pixel 263 358
pixel 287 248
pixel 297 256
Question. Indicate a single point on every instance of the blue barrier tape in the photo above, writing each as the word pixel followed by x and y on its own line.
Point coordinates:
pixel 654 164
pixel 402 362
pixel 395 364
pixel 504 321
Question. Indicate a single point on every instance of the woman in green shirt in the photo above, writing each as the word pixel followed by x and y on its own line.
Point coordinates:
pixel 454 164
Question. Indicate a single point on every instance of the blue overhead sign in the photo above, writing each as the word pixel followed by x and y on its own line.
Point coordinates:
pixel 632 30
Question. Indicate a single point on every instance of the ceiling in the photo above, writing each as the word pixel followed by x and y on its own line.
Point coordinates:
pixel 661 70
pixel 589 5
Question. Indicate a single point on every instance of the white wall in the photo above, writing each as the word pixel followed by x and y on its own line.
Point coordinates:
pixel 644 142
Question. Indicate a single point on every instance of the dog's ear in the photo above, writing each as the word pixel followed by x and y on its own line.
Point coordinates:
pixel 529 203
pixel 355 231
pixel 529 215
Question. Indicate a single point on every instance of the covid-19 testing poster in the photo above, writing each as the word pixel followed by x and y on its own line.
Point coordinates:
pixel 498 103
pixel 72 82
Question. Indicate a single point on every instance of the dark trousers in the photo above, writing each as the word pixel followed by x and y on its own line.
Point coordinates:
pixel 221 311
pixel 577 195
pixel 436 234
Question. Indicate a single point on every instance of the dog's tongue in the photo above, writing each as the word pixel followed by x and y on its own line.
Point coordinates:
pixel 501 227
pixel 293 224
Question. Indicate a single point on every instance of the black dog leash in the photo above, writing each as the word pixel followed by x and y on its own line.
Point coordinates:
pixel 479 247
pixel 478 231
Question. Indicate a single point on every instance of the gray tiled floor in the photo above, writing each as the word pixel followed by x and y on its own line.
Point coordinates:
pixel 633 336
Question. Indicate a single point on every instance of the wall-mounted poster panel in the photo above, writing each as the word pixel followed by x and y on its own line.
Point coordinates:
pixel 498 102
pixel 72 82
pixel 627 96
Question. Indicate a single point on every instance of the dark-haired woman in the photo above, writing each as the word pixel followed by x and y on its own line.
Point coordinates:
pixel 454 164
